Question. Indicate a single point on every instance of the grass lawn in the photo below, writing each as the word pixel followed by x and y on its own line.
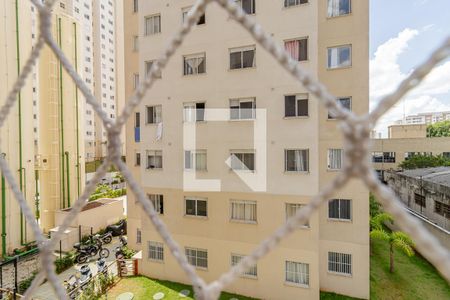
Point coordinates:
pixel 144 288
pixel 333 296
pixel 414 277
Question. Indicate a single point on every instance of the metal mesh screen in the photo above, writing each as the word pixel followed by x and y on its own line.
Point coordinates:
pixel 356 130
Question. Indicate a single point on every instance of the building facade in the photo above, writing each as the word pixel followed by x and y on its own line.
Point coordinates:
pixel 425 118
pixel 263 145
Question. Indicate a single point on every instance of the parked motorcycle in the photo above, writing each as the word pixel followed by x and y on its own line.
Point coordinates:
pixel 118 229
pixel 106 238
pixel 119 250
pixel 90 250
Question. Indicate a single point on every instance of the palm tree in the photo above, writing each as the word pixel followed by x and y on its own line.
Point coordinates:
pixel 396 239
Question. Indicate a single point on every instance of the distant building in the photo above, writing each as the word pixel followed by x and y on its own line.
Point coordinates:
pixel 425 118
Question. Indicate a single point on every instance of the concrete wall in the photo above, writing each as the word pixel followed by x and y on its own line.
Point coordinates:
pixel 407 131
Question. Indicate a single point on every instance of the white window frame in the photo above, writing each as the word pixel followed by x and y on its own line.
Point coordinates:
pixel 155 251
pixel 298 40
pixel 343 263
pixel 154 153
pixel 298 97
pixel 286 161
pixel 184 13
pixel 239 101
pixel 339 65
pixel 190 112
pixel 294 3
pixel 194 259
pixel 196 199
pixel 152 29
pixel 296 207
pixel 148 67
pixel 340 99
pixel 247 204
pixel 337 4
pixel 330 167
pixel 156 114
pixel 300 278
pixel 195 71
pixel 253 6
pixel 193 160
pixel 242 50
pixel 157 201
pixel 251 272
pixel 241 165
pixel 340 205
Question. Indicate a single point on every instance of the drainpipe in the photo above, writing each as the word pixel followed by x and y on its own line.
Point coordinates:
pixel 76 112
pixel 36 194
pixel 3 212
pixel 61 118
pixel 68 178
pixel 23 223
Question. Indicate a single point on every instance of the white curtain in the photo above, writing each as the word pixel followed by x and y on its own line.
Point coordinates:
pixel 297 272
pixel 200 161
pixel 333 57
pixel 159 131
pixel 193 63
pixel 189 113
pixel 333 8
pixel 335 159
pixel 299 162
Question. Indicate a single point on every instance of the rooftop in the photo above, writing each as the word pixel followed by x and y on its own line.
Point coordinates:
pixel 438 175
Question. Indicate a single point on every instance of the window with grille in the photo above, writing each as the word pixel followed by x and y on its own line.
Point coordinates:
pixel 158 202
pixel 148 68
pixel 242 160
pixel 346 102
pixel 297 49
pixel 291 210
pixel 296 105
pixel 152 25
pixel 154 114
pixel 156 251
pixel 297 273
pixel 196 206
pixel 420 200
pixel 138 236
pixel 194 64
pixel 185 12
pixel 197 257
pixel 250 272
pixel 335 159
pixel 296 160
pixel 442 209
pixel 154 159
pixel 340 209
pixel 194 112
pixel 339 8
pixel 243 211
pixel 195 159
pixel 340 263
pixel 289 3
pixel 241 58
pixel 248 6
pixel 339 57
pixel 242 109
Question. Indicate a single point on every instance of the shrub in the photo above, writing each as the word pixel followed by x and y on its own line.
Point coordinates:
pixel 64 262
pixel 25 284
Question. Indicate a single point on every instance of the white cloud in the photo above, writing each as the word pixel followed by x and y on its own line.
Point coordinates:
pixel 386 75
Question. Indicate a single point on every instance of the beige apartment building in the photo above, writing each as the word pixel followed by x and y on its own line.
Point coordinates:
pixel 263 145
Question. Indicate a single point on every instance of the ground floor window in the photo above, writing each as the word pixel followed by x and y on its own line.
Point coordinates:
pixel 297 273
pixel 197 257
pixel 251 272
pixel 340 263
pixel 156 251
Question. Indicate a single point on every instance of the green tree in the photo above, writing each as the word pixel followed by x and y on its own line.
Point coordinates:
pixel 439 129
pixel 396 239
pixel 425 161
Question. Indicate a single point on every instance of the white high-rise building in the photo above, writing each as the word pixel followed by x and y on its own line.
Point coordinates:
pixel 425 118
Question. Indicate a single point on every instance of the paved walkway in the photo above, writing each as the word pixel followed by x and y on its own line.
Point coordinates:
pixel 45 291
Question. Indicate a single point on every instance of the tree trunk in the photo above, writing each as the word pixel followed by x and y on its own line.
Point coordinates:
pixel 391 258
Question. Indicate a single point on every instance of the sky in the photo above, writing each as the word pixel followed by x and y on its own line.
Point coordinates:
pixel 403 33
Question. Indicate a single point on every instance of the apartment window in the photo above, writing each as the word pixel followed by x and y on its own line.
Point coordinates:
pixel 194 64
pixel 297 273
pixel 138 159
pixel 243 211
pixel 137 119
pixel 148 68
pixel 158 202
pixel 339 7
pixel 289 3
pixel 195 159
pixel 197 257
pixel 250 272
pixel 242 160
pixel 185 12
pixel 241 58
pixel 248 6
pixel 135 43
pixel 154 114
pixel 154 159
pixel 297 49
pixel 194 112
pixel 346 102
pixel 340 209
pixel 420 200
pixel 243 109
pixel 196 206
pixel 340 263
pixel 335 159
pixel 408 155
pixel 138 236
pixel 156 251
pixel 296 160
pixel 339 57
pixel 152 25
pixel 380 157
pixel 291 210
pixel 446 154
pixel 135 80
pixel 296 105
pixel 442 209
